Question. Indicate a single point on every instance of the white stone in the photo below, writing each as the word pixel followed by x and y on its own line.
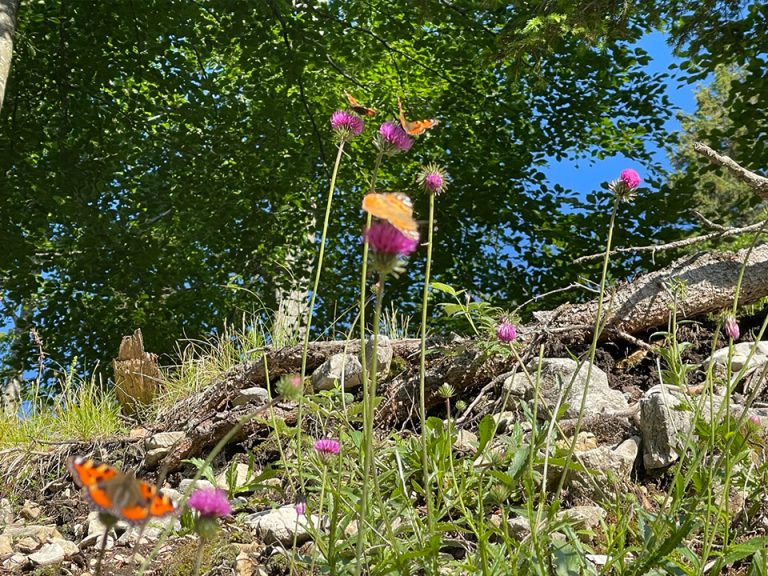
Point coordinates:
pixel 69 547
pixel 49 554
pixel 5 545
pixel 242 476
pixel 342 368
pixel 559 377
pixel 255 395
pixel 279 525
pixel 199 484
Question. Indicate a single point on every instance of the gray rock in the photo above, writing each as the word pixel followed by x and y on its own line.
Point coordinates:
pixel 6 512
pixel 466 441
pixel 279 525
pixel 187 482
pixel 384 355
pixel 159 445
pixel 663 425
pixel 69 547
pixel 242 475
pixel 557 374
pixel 606 468
pixel 255 395
pixel 342 368
pixel 583 517
pixel 5 545
pixel 48 555
pixel 30 510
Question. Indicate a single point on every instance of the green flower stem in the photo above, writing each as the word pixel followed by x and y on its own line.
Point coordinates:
pixel 370 404
pixel 311 311
pixel 426 472
pixel 199 557
pixel 593 346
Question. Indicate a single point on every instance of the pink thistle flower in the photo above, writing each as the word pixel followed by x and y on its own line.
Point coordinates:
pixel 386 239
pixel 433 178
pixel 731 328
pixel 506 331
pixel 328 446
pixel 630 178
pixel 301 506
pixel 346 124
pixel 210 503
pixel 393 139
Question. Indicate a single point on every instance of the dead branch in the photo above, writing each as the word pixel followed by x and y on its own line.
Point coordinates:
pixel 757 182
pixel 648 302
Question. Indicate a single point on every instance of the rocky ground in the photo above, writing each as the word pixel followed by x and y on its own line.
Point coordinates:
pixel 630 434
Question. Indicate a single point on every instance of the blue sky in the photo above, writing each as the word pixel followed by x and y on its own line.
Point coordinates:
pixel 585 176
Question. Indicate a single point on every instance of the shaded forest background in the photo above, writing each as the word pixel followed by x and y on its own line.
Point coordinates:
pixel 162 163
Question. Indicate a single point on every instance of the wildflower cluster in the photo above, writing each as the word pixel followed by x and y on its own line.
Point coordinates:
pixel 392 139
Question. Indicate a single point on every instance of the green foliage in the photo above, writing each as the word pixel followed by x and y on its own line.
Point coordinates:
pixel 153 158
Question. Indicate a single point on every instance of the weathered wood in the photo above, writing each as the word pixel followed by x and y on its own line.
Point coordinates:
pixel 648 302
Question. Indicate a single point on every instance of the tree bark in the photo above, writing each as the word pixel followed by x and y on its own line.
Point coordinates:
pixel 8 9
pixel 709 281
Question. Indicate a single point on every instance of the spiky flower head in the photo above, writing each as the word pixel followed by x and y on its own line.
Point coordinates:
pixel 731 328
pixel 506 331
pixel 392 139
pixel 446 391
pixel 346 125
pixel 210 502
pixel 433 178
pixel 389 246
pixel 626 184
pixel 327 449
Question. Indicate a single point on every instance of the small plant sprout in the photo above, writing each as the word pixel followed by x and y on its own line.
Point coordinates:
pixel 346 125
pixel 392 139
pixel 506 331
pixel 731 327
pixel 626 184
pixel 209 505
pixel 433 179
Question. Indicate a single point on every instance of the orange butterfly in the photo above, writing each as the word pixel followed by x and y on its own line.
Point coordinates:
pixel 396 208
pixel 359 108
pixel 416 127
pixel 119 494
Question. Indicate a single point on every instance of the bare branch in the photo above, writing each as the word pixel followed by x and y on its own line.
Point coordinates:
pixel 758 183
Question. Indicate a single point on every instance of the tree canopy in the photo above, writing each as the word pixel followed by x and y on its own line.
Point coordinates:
pixel 163 162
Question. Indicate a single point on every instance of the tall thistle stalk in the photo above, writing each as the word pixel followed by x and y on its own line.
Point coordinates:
pixel 432 178
pixel 345 126
pixel 623 190
pixel 390 140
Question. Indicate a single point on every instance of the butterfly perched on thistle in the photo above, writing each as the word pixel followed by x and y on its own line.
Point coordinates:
pixel 415 127
pixel 394 207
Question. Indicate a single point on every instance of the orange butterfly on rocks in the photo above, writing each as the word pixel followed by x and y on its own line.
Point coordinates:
pixel 394 207
pixel 119 494
pixel 359 108
pixel 415 127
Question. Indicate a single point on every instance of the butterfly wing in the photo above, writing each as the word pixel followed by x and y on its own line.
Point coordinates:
pixel 396 208
pixel 415 127
pixel 359 108
pixel 86 472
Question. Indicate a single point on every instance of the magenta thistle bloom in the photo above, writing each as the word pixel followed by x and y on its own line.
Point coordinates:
pixel 630 178
pixel 506 331
pixel 386 239
pixel 328 446
pixel 433 178
pixel 210 503
pixel 393 139
pixel 731 328
pixel 301 506
pixel 346 124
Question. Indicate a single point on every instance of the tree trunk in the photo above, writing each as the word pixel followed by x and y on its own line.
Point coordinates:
pixel 707 284
pixel 8 10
